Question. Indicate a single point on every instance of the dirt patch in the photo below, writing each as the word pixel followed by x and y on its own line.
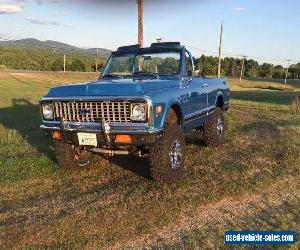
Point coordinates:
pixel 227 211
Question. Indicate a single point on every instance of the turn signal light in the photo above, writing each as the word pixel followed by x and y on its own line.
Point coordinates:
pixel 123 139
pixel 158 109
pixel 57 135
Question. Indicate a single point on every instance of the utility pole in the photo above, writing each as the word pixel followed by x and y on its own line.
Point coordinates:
pixel 96 64
pixel 140 23
pixel 220 50
pixel 287 71
pixel 64 62
pixel 158 40
pixel 242 68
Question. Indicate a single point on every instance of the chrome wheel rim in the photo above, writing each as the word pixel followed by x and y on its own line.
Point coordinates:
pixel 175 154
pixel 220 127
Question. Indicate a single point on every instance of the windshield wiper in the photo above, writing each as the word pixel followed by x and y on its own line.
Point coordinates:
pixel 112 76
pixel 144 73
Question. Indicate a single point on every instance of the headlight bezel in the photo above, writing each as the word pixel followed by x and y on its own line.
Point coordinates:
pixel 47 107
pixel 142 117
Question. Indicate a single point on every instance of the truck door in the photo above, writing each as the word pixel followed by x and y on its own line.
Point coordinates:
pixel 198 90
pixel 185 96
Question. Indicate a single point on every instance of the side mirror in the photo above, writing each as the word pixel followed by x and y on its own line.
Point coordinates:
pixel 186 80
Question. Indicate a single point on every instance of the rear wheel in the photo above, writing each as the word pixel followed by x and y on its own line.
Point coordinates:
pixel 214 129
pixel 166 157
pixel 72 157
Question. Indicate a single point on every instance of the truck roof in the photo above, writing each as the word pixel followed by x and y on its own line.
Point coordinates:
pixel 163 46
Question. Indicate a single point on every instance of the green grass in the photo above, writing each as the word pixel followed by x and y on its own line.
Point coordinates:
pixel 250 183
pixel 270 84
pixel 290 82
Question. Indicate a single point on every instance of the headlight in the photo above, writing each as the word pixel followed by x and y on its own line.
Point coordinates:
pixel 47 111
pixel 138 112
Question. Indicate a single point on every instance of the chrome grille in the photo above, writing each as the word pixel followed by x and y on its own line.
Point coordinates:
pixel 110 111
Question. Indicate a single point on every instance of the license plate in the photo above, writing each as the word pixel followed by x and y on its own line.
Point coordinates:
pixel 87 139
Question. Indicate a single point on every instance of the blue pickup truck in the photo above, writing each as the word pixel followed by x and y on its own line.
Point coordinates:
pixel 142 104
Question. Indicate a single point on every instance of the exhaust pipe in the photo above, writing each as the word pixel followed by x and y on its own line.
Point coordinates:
pixel 110 152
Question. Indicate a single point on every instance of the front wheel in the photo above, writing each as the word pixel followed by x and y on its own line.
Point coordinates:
pixel 167 156
pixel 72 157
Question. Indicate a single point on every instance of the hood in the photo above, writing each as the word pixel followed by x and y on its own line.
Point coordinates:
pixel 119 87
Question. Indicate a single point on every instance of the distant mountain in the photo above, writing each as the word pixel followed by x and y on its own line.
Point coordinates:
pixel 56 46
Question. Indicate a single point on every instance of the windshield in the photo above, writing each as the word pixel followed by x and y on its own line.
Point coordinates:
pixel 151 64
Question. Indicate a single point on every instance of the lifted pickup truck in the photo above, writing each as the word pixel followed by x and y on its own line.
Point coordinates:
pixel 142 104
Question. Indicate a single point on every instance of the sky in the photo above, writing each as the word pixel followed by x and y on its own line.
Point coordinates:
pixel 266 30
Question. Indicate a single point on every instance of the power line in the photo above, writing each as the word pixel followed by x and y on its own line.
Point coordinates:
pixel 241 56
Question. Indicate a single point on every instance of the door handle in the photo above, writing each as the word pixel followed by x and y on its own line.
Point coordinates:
pixel 204 85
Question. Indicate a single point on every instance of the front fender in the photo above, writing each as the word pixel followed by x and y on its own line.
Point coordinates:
pixel 159 120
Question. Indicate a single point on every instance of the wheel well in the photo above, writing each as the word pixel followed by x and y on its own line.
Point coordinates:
pixel 177 111
pixel 220 102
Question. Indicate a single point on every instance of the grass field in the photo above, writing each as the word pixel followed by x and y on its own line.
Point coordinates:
pixel 252 182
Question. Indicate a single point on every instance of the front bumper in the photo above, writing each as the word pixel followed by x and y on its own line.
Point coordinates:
pixel 141 133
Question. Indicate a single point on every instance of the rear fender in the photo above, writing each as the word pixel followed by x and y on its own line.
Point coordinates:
pixel 219 95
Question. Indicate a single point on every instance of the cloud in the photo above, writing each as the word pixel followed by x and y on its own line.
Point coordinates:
pixel 239 8
pixel 17 6
pixel 11 6
pixel 69 24
pixel 48 1
pixel 61 14
pixel 41 21
pixel 10 9
pixel 14 2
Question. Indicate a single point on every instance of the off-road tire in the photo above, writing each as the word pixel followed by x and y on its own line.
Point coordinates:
pixel 67 157
pixel 210 129
pixel 159 156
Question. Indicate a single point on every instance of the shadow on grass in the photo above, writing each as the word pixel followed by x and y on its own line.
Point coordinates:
pixel 134 164
pixel 24 117
pixel 265 96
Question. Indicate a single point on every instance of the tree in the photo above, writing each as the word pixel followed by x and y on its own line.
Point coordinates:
pixel 30 64
pixel 279 72
pixel 295 70
pixel 78 65
pixel 57 65
pixel 208 64
pixel 251 68
pixel 267 70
